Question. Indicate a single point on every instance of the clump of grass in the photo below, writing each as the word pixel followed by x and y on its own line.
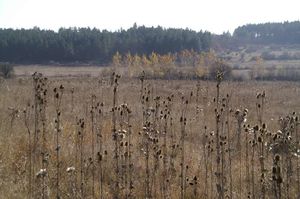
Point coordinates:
pixel 6 70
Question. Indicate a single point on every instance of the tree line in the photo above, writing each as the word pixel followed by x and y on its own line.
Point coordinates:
pixel 180 65
pixel 275 33
pixel 93 45
pixel 181 59
pixel 286 33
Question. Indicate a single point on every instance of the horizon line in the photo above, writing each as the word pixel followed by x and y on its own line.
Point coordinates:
pixel 153 26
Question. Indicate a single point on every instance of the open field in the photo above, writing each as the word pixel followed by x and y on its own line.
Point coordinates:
pixel 72 136
pixel 58 71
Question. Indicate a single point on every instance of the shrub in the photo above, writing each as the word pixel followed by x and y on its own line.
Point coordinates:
pixel 221 67
pixel 6 70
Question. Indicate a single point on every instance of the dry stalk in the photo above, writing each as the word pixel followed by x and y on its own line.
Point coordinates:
pixel 129 153
pixel 241 119
pixel 99 142
pixel 183 122
pixel 253 144
pixel 248 189
pixel 229 147
pixel 93 122
pixel 81 126
pixel 218 113
pixel 276 177
pixel 58 93
pixel 147 138
pixel 115 85
pixel 26 122
pixel 296 123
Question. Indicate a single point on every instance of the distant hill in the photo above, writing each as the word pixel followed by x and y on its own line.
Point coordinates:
pixel 286 33
pixel 269 33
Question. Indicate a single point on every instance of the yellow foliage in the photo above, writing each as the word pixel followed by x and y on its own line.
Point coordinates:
pixel 154 59
pixel 145 61
pixel 128 59
pixel 117 59
pixel 136 60
pixel 166 60
pixel 201 71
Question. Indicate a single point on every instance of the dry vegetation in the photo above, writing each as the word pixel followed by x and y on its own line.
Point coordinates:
pixel 264 62
pixel 112 137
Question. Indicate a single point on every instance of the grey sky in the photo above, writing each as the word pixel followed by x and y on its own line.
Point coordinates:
pixel 212 15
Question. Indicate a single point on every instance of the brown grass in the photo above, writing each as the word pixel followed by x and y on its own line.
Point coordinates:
pixel 282 98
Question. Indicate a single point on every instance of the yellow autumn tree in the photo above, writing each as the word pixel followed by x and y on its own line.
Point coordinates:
pixel 153 58
pixel 117 59
pixel 201 70
pixel 128 59
pixel 193 55
pixel 135 68
pixel 128 62
pixel 146 65
pixel 166 63
pixel 167 60
pixel 136 61
pixel 145 61
pixel 205 61
pixel 186 57
pixel 200 60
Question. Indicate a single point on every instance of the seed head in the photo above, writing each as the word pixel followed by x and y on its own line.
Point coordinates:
pixel 70 169
pixel 41 173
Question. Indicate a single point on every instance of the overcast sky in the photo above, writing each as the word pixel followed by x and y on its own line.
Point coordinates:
pixel 216 16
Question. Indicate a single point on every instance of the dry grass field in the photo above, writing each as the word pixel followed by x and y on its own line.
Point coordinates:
pixel 58 71
pixel 78 134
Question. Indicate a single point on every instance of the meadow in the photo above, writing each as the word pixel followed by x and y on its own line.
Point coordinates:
pixel 107 136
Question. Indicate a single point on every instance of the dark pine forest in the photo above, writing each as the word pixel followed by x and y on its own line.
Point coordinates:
pixel 92 45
